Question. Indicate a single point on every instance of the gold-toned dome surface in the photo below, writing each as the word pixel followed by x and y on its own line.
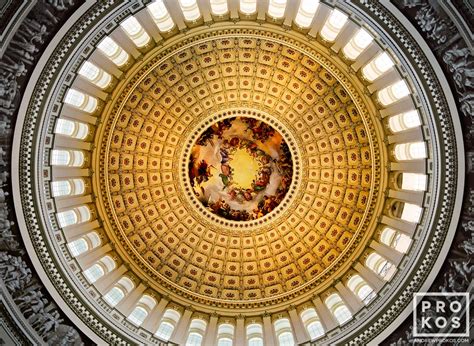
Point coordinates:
pixel 179 243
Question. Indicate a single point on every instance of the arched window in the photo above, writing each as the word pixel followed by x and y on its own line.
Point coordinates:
pixel 276 8
pixel 312 323
pixel 413 181
pixel 284 332
pixel 404 121
pixel 123 287
pixel 254 334
pixel 399 241
pixel 361 289
pixel 190 9
pixel 248 6
pixel 219 7
pixel 80 100
pixel 78 247
pixel 196 332
pixel 69 158
pixel 377 67
pixel 410 151
pixel 225 334
pixel 168 324
pixel 393 93
pixel 338 308
pixel 86 243
pixel 70 187
pixel 95 75
pixel 306 13
pixel 104 266
pixel 71 128
pixel 333 25
pixel 380 266
pixel 113 51
pixel 135 31
pixel 411 212
pixel 357 44
pixel 73 216
pixel 141 311
pixel 160 15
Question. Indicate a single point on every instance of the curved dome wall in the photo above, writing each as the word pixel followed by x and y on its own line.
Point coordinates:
pixel 118 220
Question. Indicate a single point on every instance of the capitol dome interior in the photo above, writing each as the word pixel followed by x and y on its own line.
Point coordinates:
pixel 233 172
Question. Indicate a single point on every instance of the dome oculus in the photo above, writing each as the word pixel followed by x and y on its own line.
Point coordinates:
pixel 240 168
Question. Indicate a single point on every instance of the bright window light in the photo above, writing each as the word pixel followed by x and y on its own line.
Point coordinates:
pixel 414 181
pixel 113 51
pixel 138 315
pixel 80 100
pixel 357 44
pixel 411 212
pixel 67 218
pixel 71 128
pixel 135 31
pixel 78 247
pixel 380 266
pixel 338 308
pixel 333 25
pixel 377 67
pixel 190 9
pixel 219 7
pixel 404 121
pixel 276 8
pixel 70 158
pixel 194 339
pixel 161 16
pixel 94 273
pixel 306 13
pixel 410 151
pixel 114 296
pixel 393 93
pixel 95 75
pixel 165 330
pixel 248 6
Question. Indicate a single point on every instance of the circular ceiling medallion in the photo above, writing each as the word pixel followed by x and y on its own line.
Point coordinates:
pixel 243 196
pixel 240 168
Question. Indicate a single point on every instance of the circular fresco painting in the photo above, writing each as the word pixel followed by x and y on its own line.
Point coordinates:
pixel 240 168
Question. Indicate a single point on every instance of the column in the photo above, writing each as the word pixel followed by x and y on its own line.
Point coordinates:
pixel 69 172
pixel 411 135
pixel 70 202
pixel 147 22
pixel 233 6
pixel 387 252
pixel 80 230
pixel 405 227
pixel 89 258
pixel 386 79
pixel 211 331
pixel 63 141
pixel 417 166
pixel 122 39
pixel 268 331
pixel 240 338
pixel 181 332
pixel 325 316
pixel 153 319
pixel 83 84
pixel 290 12
pixel 175 12
pixel 370 277
pixel 346 34
pixel 106 282
pixel 322 13
pixel 262 7
pixel 404 105
pixel 301 335
pixel 127 304
pixel 368 54
pixel 205 10
pixel 414 197
pixel 100 60
pixel 352 301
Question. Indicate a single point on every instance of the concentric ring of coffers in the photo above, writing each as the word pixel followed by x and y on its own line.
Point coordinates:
pixel 75 129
